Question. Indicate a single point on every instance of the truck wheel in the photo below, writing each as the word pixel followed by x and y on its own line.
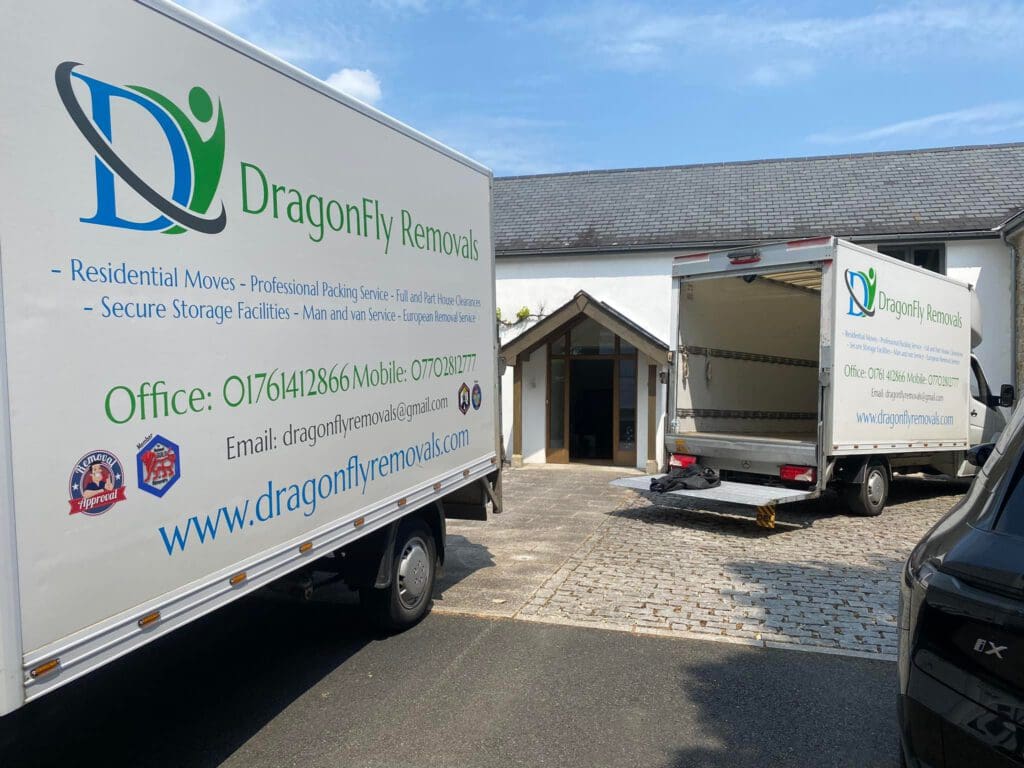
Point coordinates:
pixel 868 498
pixel 413 568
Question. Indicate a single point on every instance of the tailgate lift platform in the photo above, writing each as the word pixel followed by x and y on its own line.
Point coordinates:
pixel 764 497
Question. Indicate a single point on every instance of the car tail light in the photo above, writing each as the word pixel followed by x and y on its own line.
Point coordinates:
pixel 682 460
pixel 793 474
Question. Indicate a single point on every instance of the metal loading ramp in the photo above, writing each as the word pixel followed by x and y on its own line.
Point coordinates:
pixel 747 494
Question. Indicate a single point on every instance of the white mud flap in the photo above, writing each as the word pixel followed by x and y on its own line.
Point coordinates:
pixel 764 497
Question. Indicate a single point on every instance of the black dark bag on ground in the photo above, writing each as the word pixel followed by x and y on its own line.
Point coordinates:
pixel 691 478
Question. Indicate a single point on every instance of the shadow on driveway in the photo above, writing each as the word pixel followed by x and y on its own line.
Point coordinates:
pixel 194 697
pixel 807 711
pixel 462 558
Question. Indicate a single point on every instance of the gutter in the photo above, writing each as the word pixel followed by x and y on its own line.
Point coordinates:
pixel 914 237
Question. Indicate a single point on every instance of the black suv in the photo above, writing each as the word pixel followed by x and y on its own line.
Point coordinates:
pixel 961 654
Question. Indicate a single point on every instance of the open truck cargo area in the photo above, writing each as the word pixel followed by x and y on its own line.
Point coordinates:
pixel 817 363
pixel 246 332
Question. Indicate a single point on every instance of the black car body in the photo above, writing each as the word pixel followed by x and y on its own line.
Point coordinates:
pixel 961 654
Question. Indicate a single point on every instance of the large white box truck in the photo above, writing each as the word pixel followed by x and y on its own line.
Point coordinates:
pixel 813 364
pixel 247 331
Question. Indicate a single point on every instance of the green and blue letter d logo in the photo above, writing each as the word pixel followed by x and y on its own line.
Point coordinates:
pixel 196 162
pixel 862 287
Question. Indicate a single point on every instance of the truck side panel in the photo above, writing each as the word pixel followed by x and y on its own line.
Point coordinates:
pixel 246 323
pixel 11 689
pixel 900 378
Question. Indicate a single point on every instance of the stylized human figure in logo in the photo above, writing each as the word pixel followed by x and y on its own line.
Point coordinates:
pixel 207 154
pixel 872 281
pixel 99 481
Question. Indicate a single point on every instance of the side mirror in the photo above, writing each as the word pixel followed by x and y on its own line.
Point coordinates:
pixel 979 454
pixel 1007 395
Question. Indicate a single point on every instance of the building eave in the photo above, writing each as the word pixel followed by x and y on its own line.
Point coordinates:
pixel 691 245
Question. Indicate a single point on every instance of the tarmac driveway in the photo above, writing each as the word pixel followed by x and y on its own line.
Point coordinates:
pixel 570 549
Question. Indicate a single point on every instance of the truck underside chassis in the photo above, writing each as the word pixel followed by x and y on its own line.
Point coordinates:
pixel 394 568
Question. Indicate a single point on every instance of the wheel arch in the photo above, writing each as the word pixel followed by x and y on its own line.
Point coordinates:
pixel 853 469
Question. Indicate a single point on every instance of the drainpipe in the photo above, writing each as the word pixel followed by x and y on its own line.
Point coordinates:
pixel 1014 268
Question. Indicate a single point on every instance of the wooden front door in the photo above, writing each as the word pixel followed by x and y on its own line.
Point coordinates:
pixel 591 397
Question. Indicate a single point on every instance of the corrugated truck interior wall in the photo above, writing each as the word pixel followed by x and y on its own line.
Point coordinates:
pixel 751 359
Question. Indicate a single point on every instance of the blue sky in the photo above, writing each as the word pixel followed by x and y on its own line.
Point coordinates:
pixel 532 87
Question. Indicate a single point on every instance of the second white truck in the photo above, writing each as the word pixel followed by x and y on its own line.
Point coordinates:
pixel 815 364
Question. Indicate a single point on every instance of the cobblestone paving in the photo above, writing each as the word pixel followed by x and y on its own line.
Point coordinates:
pixel 821 580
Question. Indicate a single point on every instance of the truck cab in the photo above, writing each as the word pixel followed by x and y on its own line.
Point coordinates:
pixel 987 420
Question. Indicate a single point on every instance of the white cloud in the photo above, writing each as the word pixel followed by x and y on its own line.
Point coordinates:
pixel 222 12
pixel 974 121
pixel 508 145
pixel 635 38
pixel 295 33
pixel 401 5
pixel 782 73
pixel 358 83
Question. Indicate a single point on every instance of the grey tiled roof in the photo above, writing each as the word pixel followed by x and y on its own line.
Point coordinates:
pixel 955 189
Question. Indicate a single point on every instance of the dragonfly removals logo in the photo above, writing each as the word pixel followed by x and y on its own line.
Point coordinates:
pixel 862 287
pixel 195 162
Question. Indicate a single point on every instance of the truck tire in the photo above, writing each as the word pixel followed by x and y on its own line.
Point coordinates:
pixel 869 497
pixel 413 568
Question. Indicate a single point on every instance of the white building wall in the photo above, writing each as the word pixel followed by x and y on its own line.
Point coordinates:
pixel 641 410
pixel 986 265
pixel 506 412
pixel 535 387
pixel 638 286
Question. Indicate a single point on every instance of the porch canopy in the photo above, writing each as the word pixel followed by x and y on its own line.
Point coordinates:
pixel 582 305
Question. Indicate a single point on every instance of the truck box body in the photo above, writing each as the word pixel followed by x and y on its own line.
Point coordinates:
pixel 246 320
pixel 802 353
pixel 752 352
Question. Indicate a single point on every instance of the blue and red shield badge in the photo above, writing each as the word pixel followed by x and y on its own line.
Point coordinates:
pixel 159 465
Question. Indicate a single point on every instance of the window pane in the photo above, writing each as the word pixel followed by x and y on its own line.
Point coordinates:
pixel 897 252
pixel 979 387
pixel 556 410
pixel 625 348
pixel 589 338
pixel 558 345
pixel 929 258
pixel 627 405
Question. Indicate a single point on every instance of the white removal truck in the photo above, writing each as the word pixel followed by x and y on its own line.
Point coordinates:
pixel 247 331
pixel 817 363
